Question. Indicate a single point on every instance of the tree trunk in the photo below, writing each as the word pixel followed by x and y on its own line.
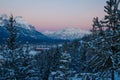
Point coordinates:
pixel 112 75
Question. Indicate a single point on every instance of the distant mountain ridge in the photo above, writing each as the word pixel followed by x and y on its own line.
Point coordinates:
pixel 26 31
pixel 67 33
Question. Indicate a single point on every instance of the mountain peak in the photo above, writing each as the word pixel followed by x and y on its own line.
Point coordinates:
pixel 20 22
pixel 26 32
pixel 68 33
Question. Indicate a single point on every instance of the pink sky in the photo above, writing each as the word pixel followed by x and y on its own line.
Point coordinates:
pixel 55 14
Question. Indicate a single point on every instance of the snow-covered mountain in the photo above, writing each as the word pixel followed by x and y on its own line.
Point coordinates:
pixel 20 22
pixel 67 33
pixel 26 31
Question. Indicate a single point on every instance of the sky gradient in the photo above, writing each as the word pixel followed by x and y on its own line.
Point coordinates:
pixel 55 14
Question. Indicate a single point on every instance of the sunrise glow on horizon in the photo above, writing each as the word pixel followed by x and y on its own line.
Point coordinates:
pixel 55 14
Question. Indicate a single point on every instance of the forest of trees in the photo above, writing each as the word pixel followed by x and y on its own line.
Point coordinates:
pixel 97 54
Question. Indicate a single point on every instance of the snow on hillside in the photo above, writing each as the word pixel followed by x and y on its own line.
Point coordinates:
pixel 19 20
pixel 67 33
pixel 27 32
pixel 23 23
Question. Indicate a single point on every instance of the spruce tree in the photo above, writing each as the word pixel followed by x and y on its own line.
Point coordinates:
pixel 63 72
pixel 106 45
pixel 12 29
pixel 18 64
pixel 56 59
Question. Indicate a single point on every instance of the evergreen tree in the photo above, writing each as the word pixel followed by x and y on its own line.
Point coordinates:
pixel 111 19
pixel 106 45
pixel 11 27
pixel 17 64
pixel 63 73
pixel 44 64
pixel 56 59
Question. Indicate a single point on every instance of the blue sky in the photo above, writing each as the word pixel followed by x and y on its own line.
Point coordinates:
pixel 55 14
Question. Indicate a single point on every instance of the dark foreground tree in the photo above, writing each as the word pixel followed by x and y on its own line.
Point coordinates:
pixel 17 63
pixel 12 29
pixel 106 41
pixel 63 72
